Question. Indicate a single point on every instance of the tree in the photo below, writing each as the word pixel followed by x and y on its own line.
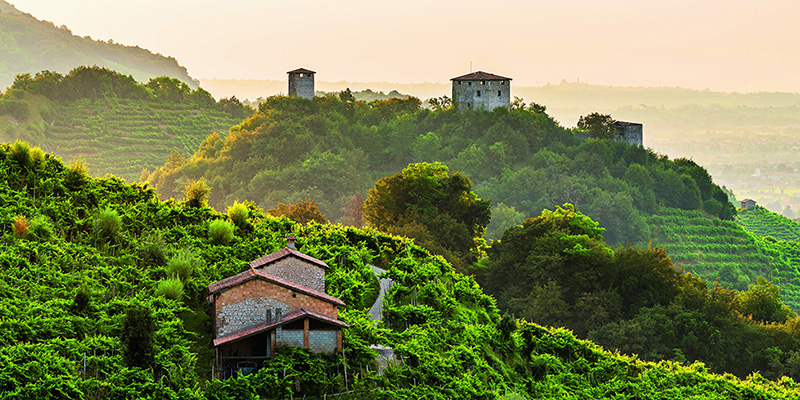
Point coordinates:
pixel 598 125
pixel 302 212
pixel 437 204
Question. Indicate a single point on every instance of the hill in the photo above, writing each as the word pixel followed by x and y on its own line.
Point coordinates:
pixel 726 251
pixel 83 257
pixel 333 148
pixel 762 222
pixel 28 45
pixel 118 126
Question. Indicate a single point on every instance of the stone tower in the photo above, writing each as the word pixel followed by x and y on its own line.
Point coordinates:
pixel 481 90
pixel 301 83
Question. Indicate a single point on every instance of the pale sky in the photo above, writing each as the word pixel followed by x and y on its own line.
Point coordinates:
pixel 730 45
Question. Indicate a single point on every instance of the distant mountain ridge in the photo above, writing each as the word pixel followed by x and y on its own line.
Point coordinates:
pixel 29 45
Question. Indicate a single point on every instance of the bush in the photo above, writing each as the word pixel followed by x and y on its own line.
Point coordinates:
pixel 183 263
pixel 153 249
pixel 76 174
pixel 108 224
pixel 41 228
pixel 196 193
pixel 220 232
pixel 21 226
pixel 21 153
pixel 238 214
pixel 171 288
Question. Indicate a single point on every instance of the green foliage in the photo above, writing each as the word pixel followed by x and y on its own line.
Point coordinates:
pixel 762 302
pixel 239 214
pixel 220 232
pixel 597 125
pixel 153 249
pixel 21 226
pixel 108 224
pixel 183 264
pixel 137 336
pixel 171 288
pixel 762 222
pixel 195 193
pixel 71 301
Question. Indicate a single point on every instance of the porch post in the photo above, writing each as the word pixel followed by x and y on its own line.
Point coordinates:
pixel 305 333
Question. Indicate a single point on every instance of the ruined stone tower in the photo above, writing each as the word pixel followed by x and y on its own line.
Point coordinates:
pixel 481 90
pixel 301 83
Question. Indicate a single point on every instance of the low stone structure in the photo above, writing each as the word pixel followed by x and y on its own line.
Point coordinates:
pixel 481 90
pixel 748 203
pixel 301 83
pixel 279 301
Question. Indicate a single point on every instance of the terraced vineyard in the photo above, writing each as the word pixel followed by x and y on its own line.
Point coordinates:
pixel 763 222
pixel 124 137
pixel 725 251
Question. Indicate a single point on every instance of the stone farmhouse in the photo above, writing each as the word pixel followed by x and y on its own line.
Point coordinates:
pixel 481 90
pixel 279 301
pixel 748 203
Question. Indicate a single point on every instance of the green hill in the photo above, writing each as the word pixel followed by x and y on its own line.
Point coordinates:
pixel 726 251
pixel 763 222
pixel 28 45
pixel 83 257
pixel 118 126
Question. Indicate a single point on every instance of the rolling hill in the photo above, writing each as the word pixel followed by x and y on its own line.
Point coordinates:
pixel 28 45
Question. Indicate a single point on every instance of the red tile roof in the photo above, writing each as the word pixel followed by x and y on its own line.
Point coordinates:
pixel 480 76
pixel 301 71
pixel 285 252
pixel 264 327
pixel 251 274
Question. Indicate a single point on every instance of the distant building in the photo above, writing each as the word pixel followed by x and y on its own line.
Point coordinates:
pixel 279 301
pixel 481 90
pixel 748 203
pixel 301 83
pixel 629 132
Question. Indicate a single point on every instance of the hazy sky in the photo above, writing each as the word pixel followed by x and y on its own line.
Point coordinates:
pixel 722 45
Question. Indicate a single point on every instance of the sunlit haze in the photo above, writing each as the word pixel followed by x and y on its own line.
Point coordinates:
pixel 732 46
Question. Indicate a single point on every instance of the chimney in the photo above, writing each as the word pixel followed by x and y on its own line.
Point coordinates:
pixel 269 316
pixel 278 313
pixel 290 241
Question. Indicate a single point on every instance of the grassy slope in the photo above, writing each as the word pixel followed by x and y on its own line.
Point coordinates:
pixel 28 45
pixel 726 251
pixel 441 324
pixel 119 136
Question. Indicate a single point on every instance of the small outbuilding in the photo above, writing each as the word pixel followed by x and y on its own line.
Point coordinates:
pixel 279 301
pixel 748 203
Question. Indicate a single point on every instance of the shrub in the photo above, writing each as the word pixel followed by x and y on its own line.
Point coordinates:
pixel 76 174
pixel 41 228
pixel 183 263
pixel 153 249
pixel 171 288
pixel 220 231
pixel 196 193
pixel 238 214
pixel 21 226
pixel 21 153
pixel 108 224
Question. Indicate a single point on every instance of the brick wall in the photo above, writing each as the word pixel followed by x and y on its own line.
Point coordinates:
pixel 298 271
pixel 245 305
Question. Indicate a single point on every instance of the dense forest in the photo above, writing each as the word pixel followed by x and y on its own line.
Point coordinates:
pixel 102 297
pixel 28 45
pixel 333 148
pixel 118 126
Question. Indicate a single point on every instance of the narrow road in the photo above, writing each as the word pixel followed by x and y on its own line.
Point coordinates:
pixel 376 311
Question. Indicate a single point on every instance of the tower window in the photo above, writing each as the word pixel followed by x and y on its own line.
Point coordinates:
pixel 479 93
pixel 502 82
pixel 498 93
pixel 483 82
pixel 469 83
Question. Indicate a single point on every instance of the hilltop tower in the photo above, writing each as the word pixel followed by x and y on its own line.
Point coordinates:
pixel 301 83
pixel 481 90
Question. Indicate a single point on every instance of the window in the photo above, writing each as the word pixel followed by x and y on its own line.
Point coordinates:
pixel 483 82
pixel 498 93
pixel 459 82
pixel 469 83
pixel 479 93
pixel 502 82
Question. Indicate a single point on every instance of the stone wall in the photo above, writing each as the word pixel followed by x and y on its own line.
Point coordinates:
pixel 299 271
pixel 292 337
pixel 301 85
pixel 630 133
pixel 245 305
pixel 322 341
pixel 487 95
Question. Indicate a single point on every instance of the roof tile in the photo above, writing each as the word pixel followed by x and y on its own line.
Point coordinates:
pixel 480 76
